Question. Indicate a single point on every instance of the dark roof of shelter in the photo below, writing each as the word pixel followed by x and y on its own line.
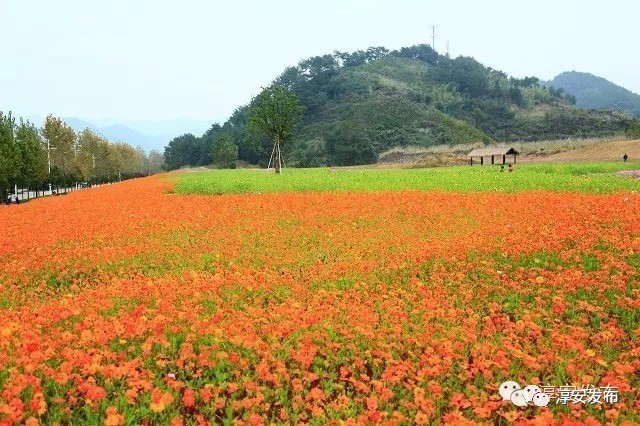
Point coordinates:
pixel 492 150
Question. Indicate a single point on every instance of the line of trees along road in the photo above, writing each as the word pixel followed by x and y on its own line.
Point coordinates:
pixel 32 157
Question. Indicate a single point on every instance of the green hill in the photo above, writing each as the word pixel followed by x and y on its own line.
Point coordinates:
pixel 362 103
pixel 595 92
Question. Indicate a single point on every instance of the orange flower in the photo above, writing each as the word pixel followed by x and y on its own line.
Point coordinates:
pixel 31 421
pixel 398 306
pixel 189 398
pixel 255 420
pixel 421 418
pixel 372 403
pixel 511 416
pixel 160 400
pixel 177 421
pixel 38 404
pixel 96 393
pixel 113 418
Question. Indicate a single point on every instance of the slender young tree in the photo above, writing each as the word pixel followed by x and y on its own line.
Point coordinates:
pixel 275 113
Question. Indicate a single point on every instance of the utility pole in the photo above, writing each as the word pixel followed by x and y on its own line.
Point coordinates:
pixel 48 157
pixel 447 48
pixel 49 149
pixel 433 36
pixel 75 156
pixel 15 186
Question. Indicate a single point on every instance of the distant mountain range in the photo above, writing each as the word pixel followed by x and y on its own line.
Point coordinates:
pixel 149 134
pixel 593 92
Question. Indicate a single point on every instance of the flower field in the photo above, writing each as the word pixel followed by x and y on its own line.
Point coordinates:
pixel 132 304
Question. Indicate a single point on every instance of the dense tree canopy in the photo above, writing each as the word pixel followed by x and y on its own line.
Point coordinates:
pixel 350 145
pixel 224 151
pixel 184 150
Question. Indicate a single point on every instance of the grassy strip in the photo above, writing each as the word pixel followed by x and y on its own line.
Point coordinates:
pixel 576 177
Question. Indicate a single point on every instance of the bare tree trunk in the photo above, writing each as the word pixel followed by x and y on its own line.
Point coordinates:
pixel 276 160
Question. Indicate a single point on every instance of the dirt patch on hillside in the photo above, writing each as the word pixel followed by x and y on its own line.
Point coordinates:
pixel 441 160
pixel 538 152
pixel 605 151
pixel 419 160
pixel 400 158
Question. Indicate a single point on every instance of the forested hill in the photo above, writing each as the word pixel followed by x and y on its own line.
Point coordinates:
pixel 595 92
pixel 362 103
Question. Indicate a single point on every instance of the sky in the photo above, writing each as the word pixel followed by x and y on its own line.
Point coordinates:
pixel 155 60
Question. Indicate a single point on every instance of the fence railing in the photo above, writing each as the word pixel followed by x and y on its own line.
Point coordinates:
pixel 25 194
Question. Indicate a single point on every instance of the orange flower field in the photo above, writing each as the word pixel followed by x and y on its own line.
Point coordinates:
pixel 129 304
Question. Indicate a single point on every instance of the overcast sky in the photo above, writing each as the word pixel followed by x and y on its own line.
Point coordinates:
pixel 141 59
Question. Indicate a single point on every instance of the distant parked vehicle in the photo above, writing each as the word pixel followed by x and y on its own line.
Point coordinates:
pixel 12 199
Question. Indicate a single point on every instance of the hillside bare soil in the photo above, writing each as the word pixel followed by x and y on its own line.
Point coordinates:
pixel 605 151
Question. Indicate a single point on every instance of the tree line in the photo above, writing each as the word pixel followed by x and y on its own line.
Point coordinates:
pixel 31 157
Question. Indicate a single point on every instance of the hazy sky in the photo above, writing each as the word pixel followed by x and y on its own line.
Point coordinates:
pixel 139 59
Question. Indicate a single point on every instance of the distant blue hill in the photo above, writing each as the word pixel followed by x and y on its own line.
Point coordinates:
pixel 593 92
pixel 166 127
pixel 119 133
pixel 149 134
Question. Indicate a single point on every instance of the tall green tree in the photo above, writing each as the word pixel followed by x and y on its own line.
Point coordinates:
pixel 224 151
pixel 88 151
pixel 156 161
pixel 32 155
pixel 9 154
pixel 277 114
pixel 182 151
pixel 62 141
pixel 130 160
pixel 104 169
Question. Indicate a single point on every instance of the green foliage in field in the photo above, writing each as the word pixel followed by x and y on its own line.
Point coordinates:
pixel 583 177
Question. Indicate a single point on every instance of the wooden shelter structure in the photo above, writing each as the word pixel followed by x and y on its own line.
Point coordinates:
pixel 493 152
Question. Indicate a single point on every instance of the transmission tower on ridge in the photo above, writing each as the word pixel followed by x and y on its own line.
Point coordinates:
pixel 433 36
